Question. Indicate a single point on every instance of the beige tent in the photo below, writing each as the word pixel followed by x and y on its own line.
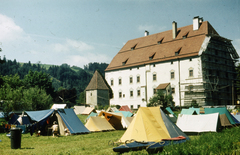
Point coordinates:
pixel 113 119
pixel 98 124
pixel 88 110
pixel 124 121
pixel 111 109
pixel 79 109
pixel 151 124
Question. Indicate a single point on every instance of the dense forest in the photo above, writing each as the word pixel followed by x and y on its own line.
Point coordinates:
pixel 68 82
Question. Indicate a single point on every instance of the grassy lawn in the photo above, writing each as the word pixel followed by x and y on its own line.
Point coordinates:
pixel 224 142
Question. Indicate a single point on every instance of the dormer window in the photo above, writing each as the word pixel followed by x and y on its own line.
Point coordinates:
pixel 185 35
pixel 133 48
pixel 151 56
pixel 160 41
pixel 124 62
pixel 178 51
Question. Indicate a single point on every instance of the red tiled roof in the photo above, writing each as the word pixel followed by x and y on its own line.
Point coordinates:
pixel 162 86
pixel 147 45
pixel 125 108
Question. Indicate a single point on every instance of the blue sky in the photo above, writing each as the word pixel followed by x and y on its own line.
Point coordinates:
pixel 77 32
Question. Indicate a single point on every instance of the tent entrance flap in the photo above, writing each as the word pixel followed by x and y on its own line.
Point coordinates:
pixel 74 125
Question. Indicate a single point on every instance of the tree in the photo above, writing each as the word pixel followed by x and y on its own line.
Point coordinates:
pixel 40 79
pixel 160 99
pixel 17 96
pixel 36 99
pixel 82 98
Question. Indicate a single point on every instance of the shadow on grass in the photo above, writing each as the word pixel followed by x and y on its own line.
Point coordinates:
pixel 27 148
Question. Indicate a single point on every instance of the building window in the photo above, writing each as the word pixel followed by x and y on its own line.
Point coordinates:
pixel 124 62
pixel 119 81
pixel 154 77
pixel 138 92
pixel 131 93
pixel 190 88
pixel 151 56
pixel 131 106
pixel 131 80
pixel 154 91
pixel 138 106
pixel 190 59
pixel 153 65
pixel 178 51
pixel 160 41
pixel 133 48
pixel 173 90
pixel 172 75
pixel 171 62
pixel 138 79
pixel 185 35
pixel 111 82
pixel 120 94
pixel 123 95
pixel 190 73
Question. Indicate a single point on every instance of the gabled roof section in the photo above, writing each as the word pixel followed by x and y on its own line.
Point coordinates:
pixel 125 108
pixel 163 45
pixel 97 82
pixel 163 86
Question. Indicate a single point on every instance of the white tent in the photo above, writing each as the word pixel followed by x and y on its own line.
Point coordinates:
pixel 59 106
pixel 198 123
pixel 79 109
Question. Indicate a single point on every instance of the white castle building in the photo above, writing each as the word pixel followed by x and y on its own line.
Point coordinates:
pixel 194 61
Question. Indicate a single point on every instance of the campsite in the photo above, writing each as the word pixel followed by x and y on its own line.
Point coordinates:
pixel 225 141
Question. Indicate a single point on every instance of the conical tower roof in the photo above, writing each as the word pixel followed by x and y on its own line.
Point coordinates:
pixel 97 82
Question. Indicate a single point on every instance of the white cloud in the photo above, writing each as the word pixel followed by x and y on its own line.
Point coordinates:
pixel 24 47
pixel 153 28
pixel 8 29
pixel 80 60
pixel 71 46
pixel 79 45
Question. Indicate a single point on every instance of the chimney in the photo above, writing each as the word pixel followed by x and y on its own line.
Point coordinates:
pixel 146 33
pixel 196 23
pixel 174 29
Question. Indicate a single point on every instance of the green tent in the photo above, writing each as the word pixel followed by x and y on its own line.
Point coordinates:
pixel 189 112
pixel 225 116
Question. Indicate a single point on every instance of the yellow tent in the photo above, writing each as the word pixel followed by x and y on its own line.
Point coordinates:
pixel 98 124
pixel 151 124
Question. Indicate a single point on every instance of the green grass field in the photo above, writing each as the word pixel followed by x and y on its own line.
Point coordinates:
pixel 225 142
